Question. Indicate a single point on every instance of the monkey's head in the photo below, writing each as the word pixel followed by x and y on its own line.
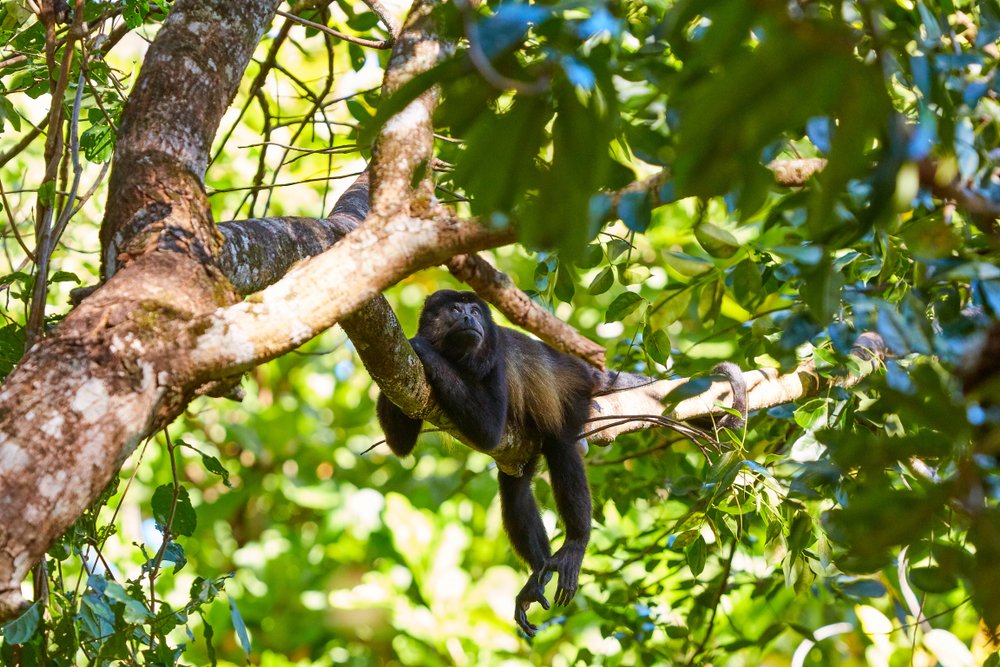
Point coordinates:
pixel 459 325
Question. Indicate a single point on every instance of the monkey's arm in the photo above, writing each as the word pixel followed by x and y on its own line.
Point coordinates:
pixel 400 430
pixel 477 407
pixel 572 494
pixel 523 523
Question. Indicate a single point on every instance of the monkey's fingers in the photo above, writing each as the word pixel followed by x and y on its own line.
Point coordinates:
pixel 565 594
pixel 521 618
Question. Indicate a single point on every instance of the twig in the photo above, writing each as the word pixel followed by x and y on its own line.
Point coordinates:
pixel 316 106
pixel 723 585
pixel 13 224
pixel 258 81
pixel 53 156
pixel 360 41
pixel 285 185
pixel 24 142
pixel 74 144
pixel 81 201
pixel 390 23
pixel 166 530
pixel 13 60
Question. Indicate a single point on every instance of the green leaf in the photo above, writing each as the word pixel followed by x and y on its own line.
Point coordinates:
pixel 820 290
pixel 209 633
pixel 496 173
pixel 624 305
pixel 747 283
pixel 633 274
pixel 23 628
pixel 11 348
pixel 8 112
pixel 565 287
pixel 687 265
pixel 933 579
pixel 583 127
pixel 602 282
pixel 213 465
pixel 861 589
pixel 239 626
pixel 47 192
pixel 636 210
pixel 617 247
pixel 696 554
pixel 184 517
pixel 657 346
pixel 135 611
pixel 590 257
pixel 716 241
pixel 98 143
pixel 64 277
pixel 174 553
pixel 363 22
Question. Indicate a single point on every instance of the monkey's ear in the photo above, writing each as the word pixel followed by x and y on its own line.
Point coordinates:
pixel 400 430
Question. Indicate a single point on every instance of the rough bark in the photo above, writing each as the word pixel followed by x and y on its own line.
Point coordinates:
pixel 258 252
pixel 189 76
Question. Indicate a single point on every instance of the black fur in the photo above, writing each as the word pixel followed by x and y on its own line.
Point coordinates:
pixel 482 375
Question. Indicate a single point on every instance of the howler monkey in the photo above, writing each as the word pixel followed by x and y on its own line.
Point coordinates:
pixel 482 375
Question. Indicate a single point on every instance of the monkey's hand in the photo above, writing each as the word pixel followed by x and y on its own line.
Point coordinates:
pixel 533 591
pixel 428 355
pixel 566 563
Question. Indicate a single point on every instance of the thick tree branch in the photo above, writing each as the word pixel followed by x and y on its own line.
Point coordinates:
pixel 188 79
pixel 304 303
pixel 402 155
pixel 257 252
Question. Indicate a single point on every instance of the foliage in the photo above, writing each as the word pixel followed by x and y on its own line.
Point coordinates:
pixel 865 521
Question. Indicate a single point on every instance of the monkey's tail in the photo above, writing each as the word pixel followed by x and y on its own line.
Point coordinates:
pixel 608 382
pixel 734 375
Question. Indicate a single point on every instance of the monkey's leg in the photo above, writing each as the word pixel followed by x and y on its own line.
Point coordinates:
pixel 523 523
pixel 400 430
pixel 572 494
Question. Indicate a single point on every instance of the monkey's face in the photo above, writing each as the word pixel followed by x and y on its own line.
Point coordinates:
pixel 457 323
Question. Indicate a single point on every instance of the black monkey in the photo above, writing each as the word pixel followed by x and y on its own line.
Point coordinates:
pixel 482 375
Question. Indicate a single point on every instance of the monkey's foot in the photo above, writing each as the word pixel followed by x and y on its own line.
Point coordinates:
pixel 566 563
pixel 533 591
